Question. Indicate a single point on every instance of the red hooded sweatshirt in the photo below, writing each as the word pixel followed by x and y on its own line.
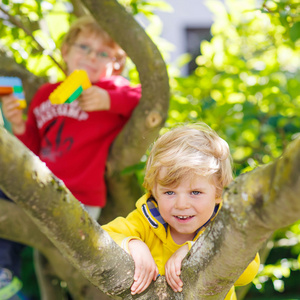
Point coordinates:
pixel 73 143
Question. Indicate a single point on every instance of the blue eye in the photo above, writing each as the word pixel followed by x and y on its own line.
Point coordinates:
pixel 195 193
pixel 84 48
pixel 102 54
pixel 169 193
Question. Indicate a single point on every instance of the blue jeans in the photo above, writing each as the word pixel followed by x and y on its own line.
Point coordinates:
pixel 10 252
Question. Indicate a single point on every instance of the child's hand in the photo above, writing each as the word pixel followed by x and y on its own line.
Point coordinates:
pixel 173 268
pixel 94 98
pixel 13 113
pixel 145 267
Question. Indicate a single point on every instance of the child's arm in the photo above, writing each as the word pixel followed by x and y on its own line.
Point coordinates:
pixel 129 233
pixel 94 99
pixel 13 113
pixel 145 267
pixel 173 268
pixel 123 99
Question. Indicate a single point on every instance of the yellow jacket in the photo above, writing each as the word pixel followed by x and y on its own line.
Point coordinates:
pixel 146 224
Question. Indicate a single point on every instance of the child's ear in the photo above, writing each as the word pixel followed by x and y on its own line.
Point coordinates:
pixel 64 50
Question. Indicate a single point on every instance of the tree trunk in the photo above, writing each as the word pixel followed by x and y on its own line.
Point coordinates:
pixel 252 210
pixel 151 113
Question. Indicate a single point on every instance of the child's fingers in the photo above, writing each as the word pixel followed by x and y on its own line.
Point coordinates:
pixel 177 272
pixel 94 98
pixel 87 103
pixel 137 273
pixel 12 112
pixel 143 280
pixel 175 282
pixel 138 280
pixel 135 286
pixel 9 100
pixel 172 275
pixel 155 273
pixel 11 106
pixel 140 285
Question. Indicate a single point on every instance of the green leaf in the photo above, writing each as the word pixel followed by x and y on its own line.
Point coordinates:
pixel 295 32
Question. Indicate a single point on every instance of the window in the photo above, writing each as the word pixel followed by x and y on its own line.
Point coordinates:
pixel 194 36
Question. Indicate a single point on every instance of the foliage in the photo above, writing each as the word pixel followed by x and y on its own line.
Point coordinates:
pixel 246 85
pixel 28 36
pixel 280 274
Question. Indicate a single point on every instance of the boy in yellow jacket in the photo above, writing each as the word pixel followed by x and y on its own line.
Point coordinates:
pixel 187 169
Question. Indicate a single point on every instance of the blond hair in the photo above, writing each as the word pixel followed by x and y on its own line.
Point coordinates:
pixel 189 150
pixel 88 25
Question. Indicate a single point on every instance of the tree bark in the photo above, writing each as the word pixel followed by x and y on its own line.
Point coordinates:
pixel 252 210
pixel 46 200
pixel 151 113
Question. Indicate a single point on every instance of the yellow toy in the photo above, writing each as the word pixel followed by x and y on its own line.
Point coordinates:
pixel 71 88
pixel 13 85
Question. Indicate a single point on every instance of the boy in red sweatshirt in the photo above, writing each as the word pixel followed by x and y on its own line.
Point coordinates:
pixel 73 139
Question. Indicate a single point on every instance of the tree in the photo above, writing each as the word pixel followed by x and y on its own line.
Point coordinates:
pixel 252 211
pixel 155 108
pixel 147 119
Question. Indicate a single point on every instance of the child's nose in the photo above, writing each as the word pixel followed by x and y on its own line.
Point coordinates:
pixel 181 202
pixel 93 54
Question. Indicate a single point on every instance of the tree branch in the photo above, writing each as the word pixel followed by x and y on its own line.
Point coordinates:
pixel 82 241
pixel 241 227
pixel 17 226
pixel 151 113
pixel 78 8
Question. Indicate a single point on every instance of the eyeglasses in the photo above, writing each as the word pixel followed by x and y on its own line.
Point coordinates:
pixel 86 50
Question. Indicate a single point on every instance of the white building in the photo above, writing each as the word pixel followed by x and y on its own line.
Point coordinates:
pixel 185 27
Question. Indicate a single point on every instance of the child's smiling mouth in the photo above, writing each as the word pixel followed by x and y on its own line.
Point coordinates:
pixel 183 218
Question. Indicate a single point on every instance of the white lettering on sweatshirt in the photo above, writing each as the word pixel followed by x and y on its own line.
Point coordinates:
pixel 46 111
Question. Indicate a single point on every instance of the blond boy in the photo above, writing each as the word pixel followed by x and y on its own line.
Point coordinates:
pixel 187 169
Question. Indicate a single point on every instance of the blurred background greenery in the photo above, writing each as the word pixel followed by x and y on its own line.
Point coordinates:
pixel 245 85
